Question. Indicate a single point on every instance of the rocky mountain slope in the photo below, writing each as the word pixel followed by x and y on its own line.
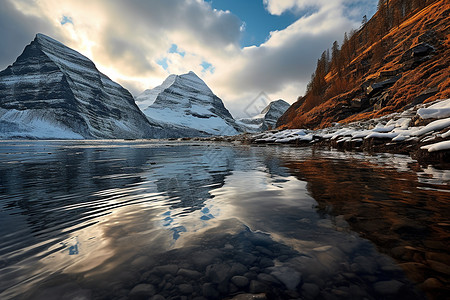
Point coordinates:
pixel 267 119
pixel 52 91
pixel 187 104
pixel 399 58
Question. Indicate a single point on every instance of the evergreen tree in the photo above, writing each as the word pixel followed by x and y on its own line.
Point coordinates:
pixel 364 21
pixel 328 59
pixel 335 56
pixel 345 50
pixel 317 85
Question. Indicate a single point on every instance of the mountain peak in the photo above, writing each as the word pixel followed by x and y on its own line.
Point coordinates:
pixel 45 39
pixel 57 51
pixel 267 119
pixel 40 36
pixel 186 101
pixel 279 104
pixel 192 76
pixel 56 92
pixel 189 81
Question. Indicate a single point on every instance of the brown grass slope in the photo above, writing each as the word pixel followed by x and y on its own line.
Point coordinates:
pixel 386 72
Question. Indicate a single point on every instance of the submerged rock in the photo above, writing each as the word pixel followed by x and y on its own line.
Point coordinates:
pixel 218 273
pixel 388 287
pixel 240 281
pixel 209 291
pixel 238 269
pixel 189 273
pixel 166 269
pixel 257 287
pixel 288 276
pixel 250 297
pixel 185 289
pixel 142 291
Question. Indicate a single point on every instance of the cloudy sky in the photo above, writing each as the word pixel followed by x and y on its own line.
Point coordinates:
pixel 239 47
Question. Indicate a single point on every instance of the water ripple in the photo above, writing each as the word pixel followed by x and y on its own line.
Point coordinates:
pixel 105 214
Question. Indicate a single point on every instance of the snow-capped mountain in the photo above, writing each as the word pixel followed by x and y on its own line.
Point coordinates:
pixel 267 119
pixel 185 102
pixel 52 91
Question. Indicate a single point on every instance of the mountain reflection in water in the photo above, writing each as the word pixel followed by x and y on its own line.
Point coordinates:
pixel 135 219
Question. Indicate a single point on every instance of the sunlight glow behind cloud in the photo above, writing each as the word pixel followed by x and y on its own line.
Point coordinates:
pixel 139 43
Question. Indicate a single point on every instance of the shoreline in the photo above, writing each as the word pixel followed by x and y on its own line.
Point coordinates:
pixel 369 146
pixel 422 132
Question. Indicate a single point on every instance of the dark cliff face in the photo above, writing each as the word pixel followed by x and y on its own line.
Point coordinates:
pixel 54 83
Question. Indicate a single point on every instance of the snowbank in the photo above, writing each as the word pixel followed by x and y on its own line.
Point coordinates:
pixel 436 111
pixel 445 145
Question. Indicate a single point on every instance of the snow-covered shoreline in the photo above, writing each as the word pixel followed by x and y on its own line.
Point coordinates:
pixel 417 123
pixel 422 131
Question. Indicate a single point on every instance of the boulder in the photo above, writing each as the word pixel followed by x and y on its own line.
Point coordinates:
pixel 374 88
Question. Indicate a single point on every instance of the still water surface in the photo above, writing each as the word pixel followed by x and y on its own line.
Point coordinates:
pixel 140 219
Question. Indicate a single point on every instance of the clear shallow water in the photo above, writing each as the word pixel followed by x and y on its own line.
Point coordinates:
pixel 111 220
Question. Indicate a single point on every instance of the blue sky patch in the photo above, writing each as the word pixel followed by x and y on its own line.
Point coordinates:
pixel 65 20
pixel 207 67
pixel 258 21
pixel 163 63
pixel 174 49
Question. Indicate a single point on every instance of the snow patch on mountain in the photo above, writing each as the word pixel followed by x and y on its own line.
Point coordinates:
pixel 29 124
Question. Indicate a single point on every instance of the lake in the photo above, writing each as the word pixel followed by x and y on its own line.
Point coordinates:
pixel 197 220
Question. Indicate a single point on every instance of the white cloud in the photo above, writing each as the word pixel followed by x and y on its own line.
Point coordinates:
pixel 126 39
pixel 278 7
pixel 283 65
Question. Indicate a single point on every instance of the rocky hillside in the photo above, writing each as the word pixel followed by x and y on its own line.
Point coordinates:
pixel 399 58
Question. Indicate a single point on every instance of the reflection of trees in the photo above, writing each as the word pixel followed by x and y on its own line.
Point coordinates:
pixel 392 209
